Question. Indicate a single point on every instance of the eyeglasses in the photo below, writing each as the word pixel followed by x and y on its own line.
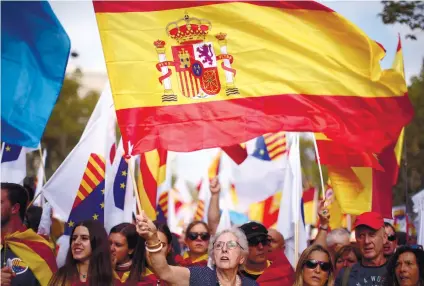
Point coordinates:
pixel 312 264
pixel 391 237
pixel 254 241
pixel 230 244
pixel 203 236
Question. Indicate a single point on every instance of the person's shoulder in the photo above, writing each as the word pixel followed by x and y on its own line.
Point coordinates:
pixel 246 281
pixel 200 273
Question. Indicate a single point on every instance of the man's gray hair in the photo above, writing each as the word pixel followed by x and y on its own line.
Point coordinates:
pixel 338 235
pixel 241 239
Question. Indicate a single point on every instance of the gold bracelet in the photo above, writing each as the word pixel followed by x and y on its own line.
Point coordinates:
pixel 153 245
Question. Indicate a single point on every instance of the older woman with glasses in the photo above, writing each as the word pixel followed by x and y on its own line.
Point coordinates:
pixel 227 249
pixel 314 267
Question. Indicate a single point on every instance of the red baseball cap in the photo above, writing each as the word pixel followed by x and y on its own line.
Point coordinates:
pixel 371 219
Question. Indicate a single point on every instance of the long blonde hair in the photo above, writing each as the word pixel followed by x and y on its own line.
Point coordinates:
pixel 302 260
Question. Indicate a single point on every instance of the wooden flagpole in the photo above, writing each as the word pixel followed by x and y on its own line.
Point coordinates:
pixel 135 187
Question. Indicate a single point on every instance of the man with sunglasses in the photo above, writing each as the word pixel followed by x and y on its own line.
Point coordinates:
pixel 370 238
pixel 391 244
pixel 258 266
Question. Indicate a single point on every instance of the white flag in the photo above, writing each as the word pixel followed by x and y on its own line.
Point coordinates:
pixel 290 206
pixel 63 186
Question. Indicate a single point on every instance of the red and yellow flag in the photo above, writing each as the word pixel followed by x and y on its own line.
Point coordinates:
pixel 266 212
pixel 362 189
pixel 188 75
pixel 34 251
pixel 152 174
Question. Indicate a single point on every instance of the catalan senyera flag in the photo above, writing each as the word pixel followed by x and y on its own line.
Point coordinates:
pixel 34 251
pixel 201 74
pixel 89 201
pixel 152 175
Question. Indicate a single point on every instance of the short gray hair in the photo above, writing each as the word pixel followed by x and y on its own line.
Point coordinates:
pixel 336 235
pixel 241 239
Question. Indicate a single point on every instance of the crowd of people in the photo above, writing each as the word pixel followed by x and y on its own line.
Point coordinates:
pixel 147 253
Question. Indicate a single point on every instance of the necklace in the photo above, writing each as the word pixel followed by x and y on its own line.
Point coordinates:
pixel 82 275
pixel 238 281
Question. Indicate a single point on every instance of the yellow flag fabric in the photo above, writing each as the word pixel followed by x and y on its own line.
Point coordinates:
pixel 188 75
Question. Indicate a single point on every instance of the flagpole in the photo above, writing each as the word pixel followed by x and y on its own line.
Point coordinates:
pixel 44 179
pixel 2 150
pixel 319 166
pixel 135 188
pixel 297 206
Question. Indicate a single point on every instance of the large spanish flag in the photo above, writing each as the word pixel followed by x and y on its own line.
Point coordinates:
pixel 188 75
pixel 361 189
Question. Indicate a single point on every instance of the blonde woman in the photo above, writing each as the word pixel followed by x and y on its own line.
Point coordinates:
pixel 314 268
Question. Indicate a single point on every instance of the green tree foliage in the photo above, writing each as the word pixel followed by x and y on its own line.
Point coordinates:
pixel 411 175
pixel 410 13
pixel 67 122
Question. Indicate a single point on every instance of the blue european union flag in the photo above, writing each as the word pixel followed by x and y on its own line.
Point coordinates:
pixel 10 152
pixel 91 208
pixel 261 151
pixel 120 184
pixel 34 54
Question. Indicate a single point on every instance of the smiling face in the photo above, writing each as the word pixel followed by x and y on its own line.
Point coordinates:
pixel 370 241
pixel 119 247
pixel 315 276
pixel 227 252
pixel 194 239
pixel 81 245
pixel 406 269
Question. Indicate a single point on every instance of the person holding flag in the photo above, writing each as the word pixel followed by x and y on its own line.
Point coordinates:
pixel 27 258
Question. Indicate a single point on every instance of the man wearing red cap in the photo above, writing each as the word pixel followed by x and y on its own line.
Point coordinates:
pixel 370 238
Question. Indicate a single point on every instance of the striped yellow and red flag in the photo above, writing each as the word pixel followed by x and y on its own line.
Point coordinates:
pixel 34 251
pixel 362 189
pixel 152 175
pixel 188 75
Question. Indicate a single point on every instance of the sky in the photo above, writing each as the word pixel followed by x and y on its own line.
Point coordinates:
pixel 79 21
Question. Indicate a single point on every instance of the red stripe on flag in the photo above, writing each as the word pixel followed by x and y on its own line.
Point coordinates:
pixel 89 181
pixel 149 6
pixel 162 156
pixel 149 181
pixel 41 250
pixel 94 171
pixel 379 120
pixel 308 195
pixel 99 161
pixel 276 155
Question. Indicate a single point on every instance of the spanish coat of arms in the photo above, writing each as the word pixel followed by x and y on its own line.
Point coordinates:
pixel 194 60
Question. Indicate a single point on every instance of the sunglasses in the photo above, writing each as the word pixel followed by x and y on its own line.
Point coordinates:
pixel 254 241
pixel 205 236
pixel 391 237
pixel 230 245
pixel 312 264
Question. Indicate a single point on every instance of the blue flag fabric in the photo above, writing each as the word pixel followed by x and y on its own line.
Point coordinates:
pixel 34 55
pixel 10 153
pixel 91 208
pixel 120 184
